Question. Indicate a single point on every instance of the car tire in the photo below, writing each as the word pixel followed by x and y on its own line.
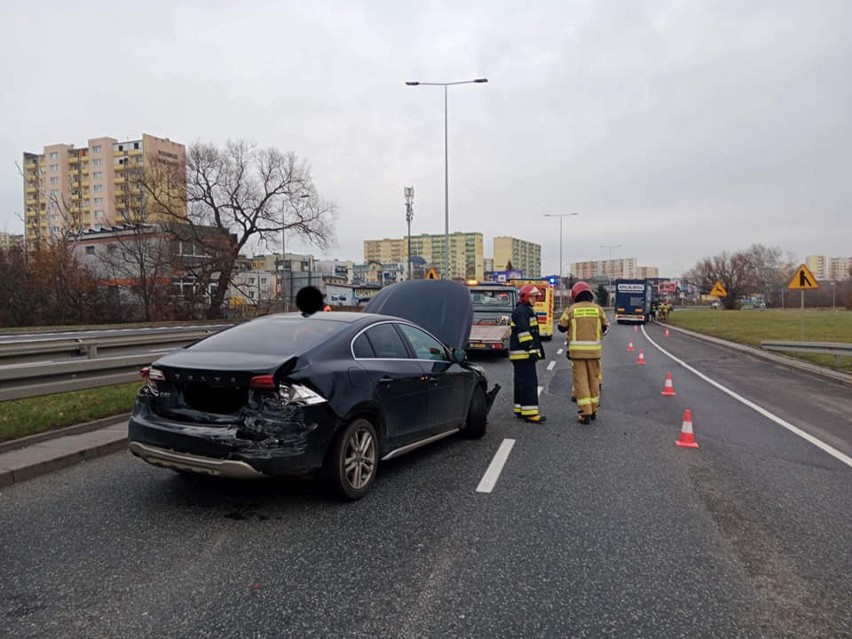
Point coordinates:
pixel 477 415
pixel 350 466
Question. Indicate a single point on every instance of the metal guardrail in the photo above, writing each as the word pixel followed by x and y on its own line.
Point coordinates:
pixel 838 349
pixel 85 367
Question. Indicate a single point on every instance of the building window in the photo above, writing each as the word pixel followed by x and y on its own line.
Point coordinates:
pixel 54 180
pixel 97 162
pixel 54 168
pixel 96 148
pixel 135 145
pixel 90 250
pixel 99 214
pixel 99 200
pixel 111 249
pixel 97 175
pixel 97 188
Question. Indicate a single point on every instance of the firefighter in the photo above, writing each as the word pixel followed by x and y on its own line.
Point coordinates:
pixel 524 351
pixel 585 324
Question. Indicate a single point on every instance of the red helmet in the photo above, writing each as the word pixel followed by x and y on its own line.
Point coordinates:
pixel 528 291
pixel 578 288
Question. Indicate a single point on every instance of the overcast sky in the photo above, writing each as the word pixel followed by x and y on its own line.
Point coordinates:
pixel 677 129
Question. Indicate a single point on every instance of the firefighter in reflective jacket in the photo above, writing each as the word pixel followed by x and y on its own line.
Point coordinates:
pixel 524 351
pixel 586 323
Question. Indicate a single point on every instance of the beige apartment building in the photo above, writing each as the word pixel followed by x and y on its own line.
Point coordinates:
pixel 69 189
pixel 622 268
pixel 524 256
pixel 465 259
pixel 829 268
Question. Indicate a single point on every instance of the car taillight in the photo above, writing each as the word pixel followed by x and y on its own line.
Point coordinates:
pixel 263 382
pixel 151 376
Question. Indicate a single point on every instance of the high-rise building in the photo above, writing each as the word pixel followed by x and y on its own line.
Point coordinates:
pixel 68 189
pixel 524 256
pixel 621 268
pixel 465 259
pixel 829 268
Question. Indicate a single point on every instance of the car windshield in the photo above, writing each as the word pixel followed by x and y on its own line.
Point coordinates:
pixel 270 336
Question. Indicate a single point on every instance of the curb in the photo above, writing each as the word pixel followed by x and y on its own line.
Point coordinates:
pixel 76 429
pixel 43 467
pixel 790 362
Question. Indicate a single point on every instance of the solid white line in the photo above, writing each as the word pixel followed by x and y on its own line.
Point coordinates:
pixel 551 365
pixel 781 422
pixel 486 485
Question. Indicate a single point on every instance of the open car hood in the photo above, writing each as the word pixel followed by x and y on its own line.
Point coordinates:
pixel 441 307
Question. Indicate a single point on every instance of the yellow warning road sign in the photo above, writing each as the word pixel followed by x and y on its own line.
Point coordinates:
pixel 803 279
pixel 719 290
pixel 432 274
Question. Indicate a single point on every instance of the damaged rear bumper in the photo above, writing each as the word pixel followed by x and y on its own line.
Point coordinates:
pixel 268 447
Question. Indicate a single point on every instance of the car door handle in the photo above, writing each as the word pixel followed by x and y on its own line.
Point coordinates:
pixel 386 380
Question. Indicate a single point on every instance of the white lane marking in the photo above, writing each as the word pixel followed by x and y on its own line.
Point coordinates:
pixel 781 422
pixel 551 365
pixel 489 479
pixel 540 388
pixel 559 352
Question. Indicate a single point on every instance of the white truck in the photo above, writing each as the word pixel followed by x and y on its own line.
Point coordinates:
pixel 493 305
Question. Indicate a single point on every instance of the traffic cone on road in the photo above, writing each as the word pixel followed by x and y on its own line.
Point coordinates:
pixel 667 332
pixel 641 360
pixel 635 328
pixel 630 348
pixel 668 388
pixel 687 437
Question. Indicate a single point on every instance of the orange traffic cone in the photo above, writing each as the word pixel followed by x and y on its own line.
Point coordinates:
pixel 667 332
pixel 641 360
pixel 635 328
pixel 668 388
pixel 687 437
pixel 630 348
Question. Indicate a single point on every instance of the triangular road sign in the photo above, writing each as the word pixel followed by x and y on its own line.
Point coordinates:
pixel 432 274
pixel 803 279
pixel 719 290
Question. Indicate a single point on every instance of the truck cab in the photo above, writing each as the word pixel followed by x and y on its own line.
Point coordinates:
pixel 493 305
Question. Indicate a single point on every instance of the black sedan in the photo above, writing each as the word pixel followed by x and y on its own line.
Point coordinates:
pixel 333 392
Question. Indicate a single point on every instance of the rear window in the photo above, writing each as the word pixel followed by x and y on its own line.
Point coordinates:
pixel 271 336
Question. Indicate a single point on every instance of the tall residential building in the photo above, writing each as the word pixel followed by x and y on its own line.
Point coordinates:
pixel 829 268
pixel 68 189
pixel 524 256
pixel 9 241
pixel 621 268
pixel 465 259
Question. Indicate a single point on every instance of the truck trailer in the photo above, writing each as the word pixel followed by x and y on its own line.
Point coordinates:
pixel 632 301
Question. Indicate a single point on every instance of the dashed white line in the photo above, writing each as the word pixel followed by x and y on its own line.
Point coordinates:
pixel 559 352
pixel 551 365
pixel 489 479
pixel 759 409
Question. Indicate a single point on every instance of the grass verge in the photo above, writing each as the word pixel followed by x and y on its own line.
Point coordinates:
pixel 750 327
pixel 19 418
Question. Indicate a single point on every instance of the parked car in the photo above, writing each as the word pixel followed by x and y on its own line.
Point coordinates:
pixel 333 392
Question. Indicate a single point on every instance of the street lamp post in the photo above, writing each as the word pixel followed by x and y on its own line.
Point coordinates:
pixel 286 298
pixel 409 215
pixel 560 216
pixel 609 269
pixel 446 273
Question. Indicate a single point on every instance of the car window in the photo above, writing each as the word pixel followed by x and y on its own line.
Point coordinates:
pixel 361 347
pixel 386 342
pixel 425 346
pixel 270 335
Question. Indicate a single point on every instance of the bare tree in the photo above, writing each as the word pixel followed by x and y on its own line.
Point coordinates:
pixel 237 196
pixel 735 272
pixel 770 272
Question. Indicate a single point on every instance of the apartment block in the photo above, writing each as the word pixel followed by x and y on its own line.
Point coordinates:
pixel 465 258
pixel 829 268
pixel 524 256
pixel 621 268
pixel 69 189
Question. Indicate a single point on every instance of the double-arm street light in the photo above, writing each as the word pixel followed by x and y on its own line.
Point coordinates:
pixel 446 273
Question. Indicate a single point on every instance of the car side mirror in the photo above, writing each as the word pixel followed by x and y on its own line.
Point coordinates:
pixel 458 355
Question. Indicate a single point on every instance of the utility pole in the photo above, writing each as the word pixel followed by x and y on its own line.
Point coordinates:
pixel 409 215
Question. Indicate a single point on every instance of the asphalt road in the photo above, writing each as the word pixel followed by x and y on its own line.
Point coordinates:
pixel 589 531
